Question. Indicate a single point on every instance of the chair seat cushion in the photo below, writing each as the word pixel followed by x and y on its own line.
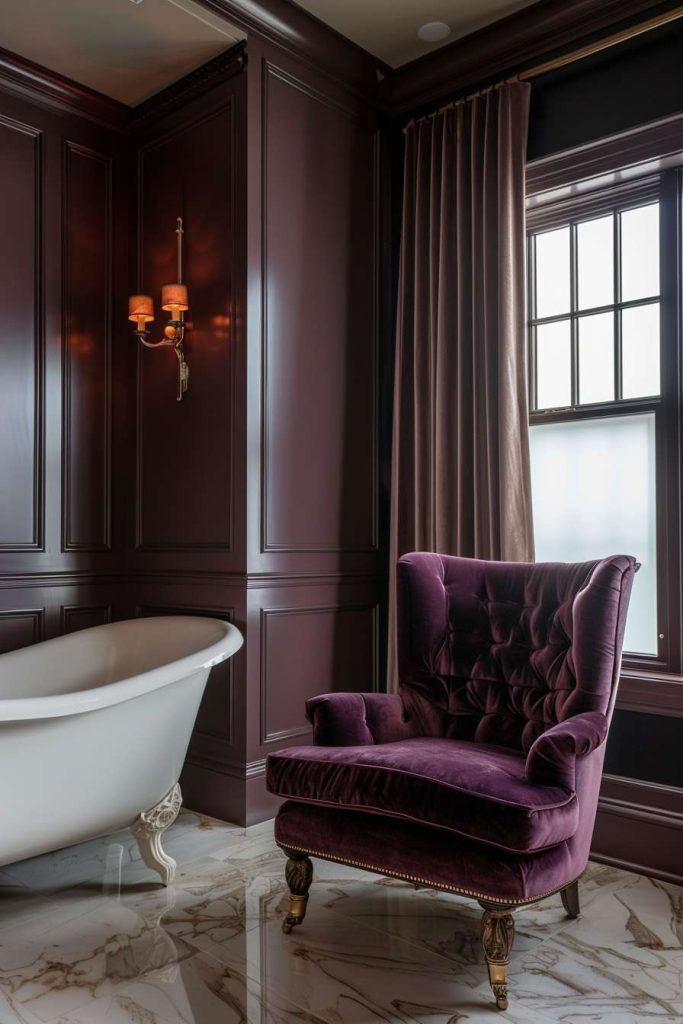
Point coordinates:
pixel 476 790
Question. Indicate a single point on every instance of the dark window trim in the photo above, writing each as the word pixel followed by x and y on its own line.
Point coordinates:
pixel 597 202
pixel 643 150
pixel 648 683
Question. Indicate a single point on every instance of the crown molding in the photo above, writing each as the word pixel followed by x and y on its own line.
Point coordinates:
pixel 216 71
pixel 308 39
pixel 502 47
pixel 40 85
pixel 505 46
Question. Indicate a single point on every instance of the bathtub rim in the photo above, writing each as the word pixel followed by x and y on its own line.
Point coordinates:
pixel 18 709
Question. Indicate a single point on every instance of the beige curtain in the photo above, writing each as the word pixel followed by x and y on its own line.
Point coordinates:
pixel 460 461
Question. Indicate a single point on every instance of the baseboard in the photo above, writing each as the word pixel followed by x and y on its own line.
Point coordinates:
pixel 214 793
pixel 235 794
pixel 639 827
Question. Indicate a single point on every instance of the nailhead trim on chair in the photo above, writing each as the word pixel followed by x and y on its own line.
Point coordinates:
pixel 424 881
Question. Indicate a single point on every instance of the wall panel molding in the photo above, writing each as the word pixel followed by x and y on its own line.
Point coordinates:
pixel 639 827
pixel 20 627
pixel 275 666
pixel 82 616
pixel 24 406
pixel 58 578
pixel 251 581
pixel 87 261
pixel 270 542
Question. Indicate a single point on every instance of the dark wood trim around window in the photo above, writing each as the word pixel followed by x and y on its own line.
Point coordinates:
pixel 583 183
pixel 645 150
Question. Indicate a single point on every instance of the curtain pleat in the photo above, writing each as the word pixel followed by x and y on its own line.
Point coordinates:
pixel 460 459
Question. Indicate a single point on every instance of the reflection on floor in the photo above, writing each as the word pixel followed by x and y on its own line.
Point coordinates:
pixel 88 937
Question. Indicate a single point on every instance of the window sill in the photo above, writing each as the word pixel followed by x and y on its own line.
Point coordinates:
pixel 654 693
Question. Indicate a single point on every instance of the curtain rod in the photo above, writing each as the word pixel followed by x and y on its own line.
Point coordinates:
pixel 567 58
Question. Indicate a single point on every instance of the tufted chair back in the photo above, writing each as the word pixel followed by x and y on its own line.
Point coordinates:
pixel 498 652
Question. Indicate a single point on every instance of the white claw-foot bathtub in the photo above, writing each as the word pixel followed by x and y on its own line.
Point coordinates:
pixel 94 728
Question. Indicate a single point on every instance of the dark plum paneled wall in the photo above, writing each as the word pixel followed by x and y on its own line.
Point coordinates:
pixel 315 642
pixel 314 559
pixel 256 496
pixel 88 294
pixel 184 481
pixel 186 520
pixel 23 339
pixel 319 361
pixel 649 743
pixel 63 210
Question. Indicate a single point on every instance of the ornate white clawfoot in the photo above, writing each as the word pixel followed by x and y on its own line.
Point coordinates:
pixel 148 829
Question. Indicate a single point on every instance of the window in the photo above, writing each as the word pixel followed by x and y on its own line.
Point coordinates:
pixel 603 280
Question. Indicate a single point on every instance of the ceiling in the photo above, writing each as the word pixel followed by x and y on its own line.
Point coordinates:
pixel 127 49
pixel 130 49
pixel 388 28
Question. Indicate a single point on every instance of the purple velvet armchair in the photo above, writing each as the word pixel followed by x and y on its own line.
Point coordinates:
pixel 481 775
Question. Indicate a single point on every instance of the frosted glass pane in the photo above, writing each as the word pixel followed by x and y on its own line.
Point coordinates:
pixel 593 487
pixel 640 351
pixel 640 252
pixel 553 365
pixel 552 273
pixel 596 358
pixel 595 247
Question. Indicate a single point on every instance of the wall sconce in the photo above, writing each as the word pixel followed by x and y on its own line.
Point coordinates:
pixel 174 300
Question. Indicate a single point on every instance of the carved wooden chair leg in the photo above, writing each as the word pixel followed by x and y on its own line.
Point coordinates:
pixel 148 829
pixel 497 933
pixel 570 899
pixel 299 875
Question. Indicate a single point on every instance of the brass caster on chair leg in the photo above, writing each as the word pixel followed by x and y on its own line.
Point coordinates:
pixel 299 875
pixel 497 933
pixel 297 912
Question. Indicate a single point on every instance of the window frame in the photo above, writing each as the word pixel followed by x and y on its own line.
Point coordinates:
pixel 665 187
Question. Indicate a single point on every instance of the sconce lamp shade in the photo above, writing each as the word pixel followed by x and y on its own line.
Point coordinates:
pixel 174 297
pixel 141 308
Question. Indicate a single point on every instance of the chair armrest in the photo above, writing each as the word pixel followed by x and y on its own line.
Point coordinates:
pixel 551 760
pixel 359 719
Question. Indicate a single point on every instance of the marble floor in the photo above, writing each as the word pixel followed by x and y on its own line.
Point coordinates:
pixel 88 937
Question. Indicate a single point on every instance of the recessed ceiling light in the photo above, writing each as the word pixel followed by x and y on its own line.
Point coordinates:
pixel 434 32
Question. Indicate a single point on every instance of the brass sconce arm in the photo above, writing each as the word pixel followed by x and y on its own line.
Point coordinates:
pixel 175 335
